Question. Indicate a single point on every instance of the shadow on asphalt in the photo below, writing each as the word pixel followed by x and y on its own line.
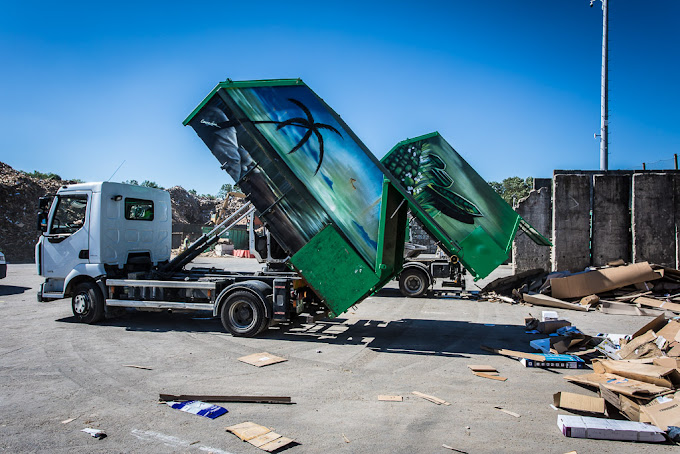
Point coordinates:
pixel 450 338
pixel 409 336
pixel 6 290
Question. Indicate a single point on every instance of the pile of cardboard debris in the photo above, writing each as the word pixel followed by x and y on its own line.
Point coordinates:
pixel 633 289
pixel 639 381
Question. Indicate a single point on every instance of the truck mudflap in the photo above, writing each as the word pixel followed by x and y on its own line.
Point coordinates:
pixel 260 289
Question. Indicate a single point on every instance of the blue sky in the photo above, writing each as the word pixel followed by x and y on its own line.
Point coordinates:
pixel 513 85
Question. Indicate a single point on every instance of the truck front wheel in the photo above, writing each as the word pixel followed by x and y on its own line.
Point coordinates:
pixel 243 314
pixel 88 303
pixel 413 283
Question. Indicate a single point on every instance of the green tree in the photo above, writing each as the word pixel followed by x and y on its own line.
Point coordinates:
pixel 512 189
pixel 193 192
pixel 43 176
pixel 151 184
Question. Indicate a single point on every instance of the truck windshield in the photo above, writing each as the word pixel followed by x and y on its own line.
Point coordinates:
pixel 69 215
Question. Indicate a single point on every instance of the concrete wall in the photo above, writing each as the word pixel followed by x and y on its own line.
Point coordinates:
pixel 653 213
pixel 536 210
pixel 611 235
pixel 571 222
pixel 597 218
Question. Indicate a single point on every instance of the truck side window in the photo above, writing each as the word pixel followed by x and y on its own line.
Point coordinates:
pixel 138 209
pixel 69 216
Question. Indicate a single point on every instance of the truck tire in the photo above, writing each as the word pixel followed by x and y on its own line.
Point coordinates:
pixel 413 283
pixel 243 314
pixel 88 303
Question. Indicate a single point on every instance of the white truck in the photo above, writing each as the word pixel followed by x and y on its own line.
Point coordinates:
pixel 108 246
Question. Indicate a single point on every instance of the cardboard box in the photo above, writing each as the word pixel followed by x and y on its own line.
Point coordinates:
pixel 664 415
pixel 556 362
pixel 551 326
pixel 579 403
pixel 598 281
pixel 622 385
pixel 608 429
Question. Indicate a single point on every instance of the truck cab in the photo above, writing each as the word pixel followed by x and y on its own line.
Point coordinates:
pixel 92 230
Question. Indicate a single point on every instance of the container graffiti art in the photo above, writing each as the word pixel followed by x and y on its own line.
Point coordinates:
pixel 252 128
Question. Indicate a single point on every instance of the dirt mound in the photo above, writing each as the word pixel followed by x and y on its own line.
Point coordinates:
pixel 189 209
pixel 19 194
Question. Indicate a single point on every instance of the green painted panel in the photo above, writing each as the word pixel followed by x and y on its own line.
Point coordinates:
pixel 480 248
pixel 454 203
pixel 333 269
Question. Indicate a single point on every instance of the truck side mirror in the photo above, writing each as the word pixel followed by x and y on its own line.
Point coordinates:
pixel 44 203
pixel 42 221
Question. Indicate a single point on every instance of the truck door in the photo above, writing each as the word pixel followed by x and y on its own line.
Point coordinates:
pixel 66 243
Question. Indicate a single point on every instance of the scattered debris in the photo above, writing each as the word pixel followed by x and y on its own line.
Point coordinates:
pixel 242 399
pixel 259 436
pixel 66 421
pixel 454 449
pixel 485 371
pixel 608 429
pixel 432 399
pixel 198 408
pixel 511 413
pixel 556 362
pixel 387 398
pixel 345 438
pixel 513 353
pixel 137 367
pixel 262 359
pixel 96 433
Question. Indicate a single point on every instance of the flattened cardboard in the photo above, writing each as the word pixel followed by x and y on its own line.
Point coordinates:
pixel 481 368
pixel 248 430
pixel 434 400
pixel 277 444
pixel 491 376
pixel 616 308
pixel 668 377
pixel 651 302
pixel 262 359
pixel 629 350
pixel 670 331
pixel 664 415
pixel 608 429
pixel 259 436
pixel 598 281
pixel 619 384
pixel 386 398
pixel 513 353
pixel 653 325
pixel 544 300
pixel 579 403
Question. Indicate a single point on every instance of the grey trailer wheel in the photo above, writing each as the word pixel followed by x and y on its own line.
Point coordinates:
pixel 413 282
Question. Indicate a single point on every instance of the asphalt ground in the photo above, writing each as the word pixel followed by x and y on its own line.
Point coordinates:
pixel 54 369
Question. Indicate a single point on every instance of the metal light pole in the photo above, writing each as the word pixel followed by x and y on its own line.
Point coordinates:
pixel 604 94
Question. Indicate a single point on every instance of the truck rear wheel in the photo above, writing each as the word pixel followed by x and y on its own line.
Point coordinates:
pixel 413 283
pixel 88 303
pixel 243 314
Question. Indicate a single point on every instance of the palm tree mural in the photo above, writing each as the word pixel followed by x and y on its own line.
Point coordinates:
pixel 307 123
pixel 312 128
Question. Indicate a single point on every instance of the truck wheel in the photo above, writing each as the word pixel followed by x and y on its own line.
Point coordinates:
pixel 413 283
pixel 88 303
pixel 243 314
